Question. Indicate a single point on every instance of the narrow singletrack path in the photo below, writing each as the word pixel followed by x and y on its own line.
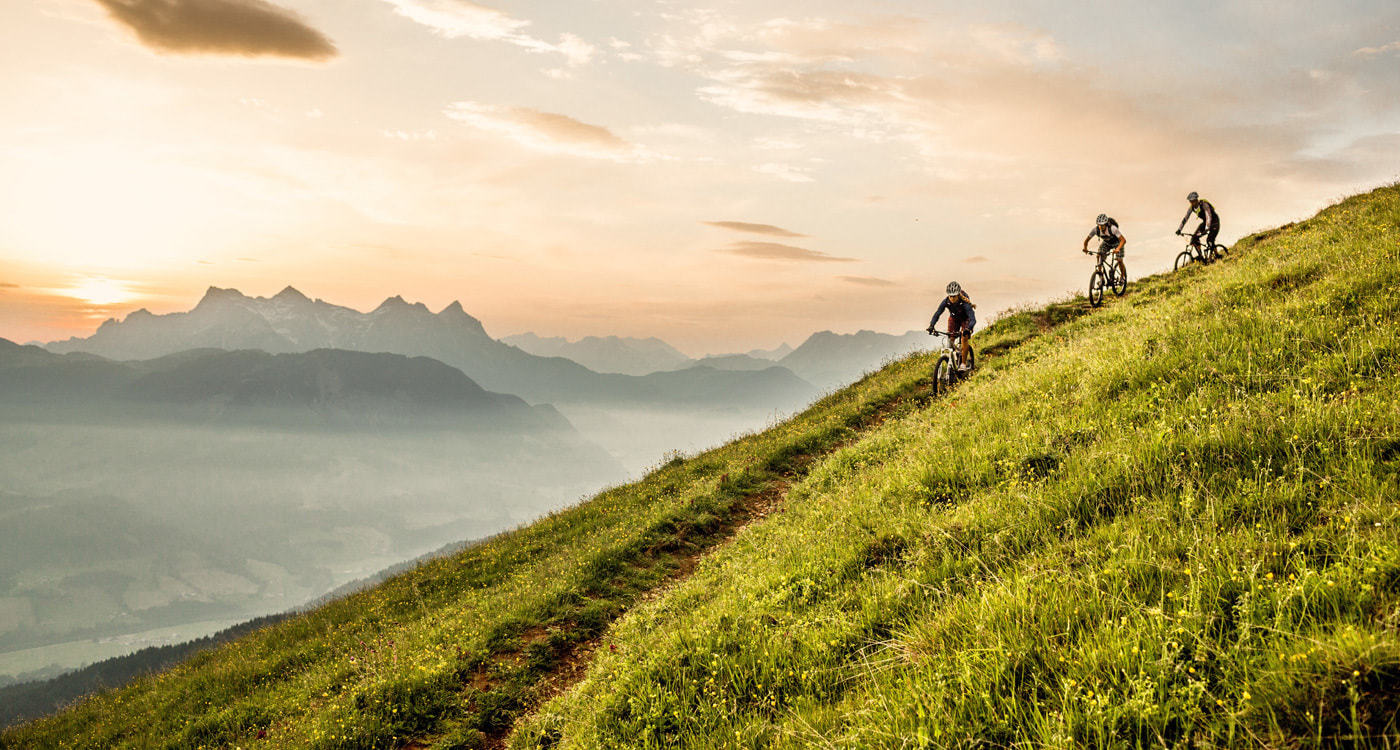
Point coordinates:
pixel 541 661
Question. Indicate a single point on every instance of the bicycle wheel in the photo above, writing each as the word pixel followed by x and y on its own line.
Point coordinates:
pixel 1208 252
pixel 1120 278
pixel 1096 285
pixel 943 375
pixel 1220 250
pixel 1183 260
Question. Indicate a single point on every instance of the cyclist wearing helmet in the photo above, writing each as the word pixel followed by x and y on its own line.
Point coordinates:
pixel 1210 220
pixel 1110 238
pixel 961 318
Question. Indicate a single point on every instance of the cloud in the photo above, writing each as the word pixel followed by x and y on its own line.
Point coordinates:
pixel 867 281
pixel 7 285
pixel 1362 160
pixel 455 19
pixel 1381 50
pixel 244 28
pixel 957 99
pixel 546 131
pixel 834 96
pixel 779 251
pixel 976 259
pixel 744 226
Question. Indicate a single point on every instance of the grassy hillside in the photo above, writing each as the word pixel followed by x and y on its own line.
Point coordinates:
pixel 1171 521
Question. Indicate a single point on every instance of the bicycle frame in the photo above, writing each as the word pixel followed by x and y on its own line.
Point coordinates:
pixel 1197 248
pixel 954 343
pixel 954 359
pixel 1107 268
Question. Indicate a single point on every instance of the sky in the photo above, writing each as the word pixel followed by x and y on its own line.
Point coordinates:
pixel 723 175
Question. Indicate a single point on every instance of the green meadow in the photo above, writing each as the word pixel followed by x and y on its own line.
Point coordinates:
pixel 1171 521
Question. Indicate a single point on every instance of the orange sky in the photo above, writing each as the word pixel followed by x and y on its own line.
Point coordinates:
pixel 723 175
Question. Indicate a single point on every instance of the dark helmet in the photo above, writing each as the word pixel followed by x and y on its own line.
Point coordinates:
pixel 1101 220
pixel 954 289
pixel 1192 196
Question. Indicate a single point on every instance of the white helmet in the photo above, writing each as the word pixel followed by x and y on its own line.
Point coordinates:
pixel 954 289
pixel 1101 220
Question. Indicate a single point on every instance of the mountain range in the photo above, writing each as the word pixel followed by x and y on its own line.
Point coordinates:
pixel 317 388
pixel 830 360
pixel 637 356
pixel 289 322
pixel 594 370
pixel 616 354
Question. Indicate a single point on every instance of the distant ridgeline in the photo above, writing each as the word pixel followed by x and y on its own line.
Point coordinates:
pixel 593 370
pixel 325 387
pixel 291 323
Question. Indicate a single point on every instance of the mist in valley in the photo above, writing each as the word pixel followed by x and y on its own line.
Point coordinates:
pixel 108 530
pixel 151 501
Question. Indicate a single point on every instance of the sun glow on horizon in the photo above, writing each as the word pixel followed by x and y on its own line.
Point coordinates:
pixel 98 290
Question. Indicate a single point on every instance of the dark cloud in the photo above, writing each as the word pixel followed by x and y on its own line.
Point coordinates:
pixel 744 226
pixel 247 28
pixel 7 285
pixel 778 251
pixel 976 259
pixel 867 281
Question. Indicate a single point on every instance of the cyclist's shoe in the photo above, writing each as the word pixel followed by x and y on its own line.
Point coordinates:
pixel 964 367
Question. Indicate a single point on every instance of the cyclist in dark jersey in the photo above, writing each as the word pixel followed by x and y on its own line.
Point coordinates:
pixel 1210 220
pixel 1111 239
pixel 961 318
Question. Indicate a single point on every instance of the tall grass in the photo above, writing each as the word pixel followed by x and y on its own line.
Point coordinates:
pixel 1170 523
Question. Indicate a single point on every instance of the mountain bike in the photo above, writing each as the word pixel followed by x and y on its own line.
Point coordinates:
pixel 949 368
pixel 1198 252
pixel 1112 275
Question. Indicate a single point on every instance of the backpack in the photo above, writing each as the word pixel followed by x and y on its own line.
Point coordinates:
pixel 1112 222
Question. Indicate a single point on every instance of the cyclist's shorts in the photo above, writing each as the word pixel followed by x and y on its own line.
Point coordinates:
pixel 958 324
pixel 1108 247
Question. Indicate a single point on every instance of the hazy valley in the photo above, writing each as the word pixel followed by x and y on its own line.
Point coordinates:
pixel 174 474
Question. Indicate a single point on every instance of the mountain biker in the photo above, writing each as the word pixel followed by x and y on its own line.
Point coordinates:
pixel 961 318
pixel 1210 220
pixel 1111 239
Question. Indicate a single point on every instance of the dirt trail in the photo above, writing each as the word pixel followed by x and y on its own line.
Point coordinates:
pixel 562 650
